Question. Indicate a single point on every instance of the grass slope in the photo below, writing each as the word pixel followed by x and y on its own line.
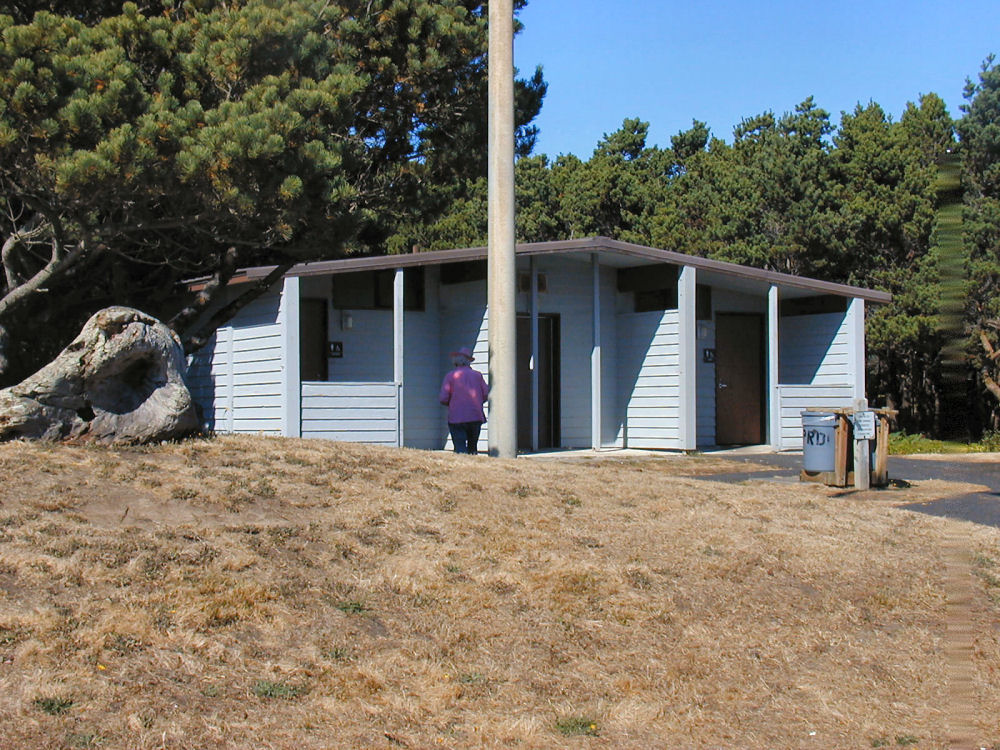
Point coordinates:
pixel 267 593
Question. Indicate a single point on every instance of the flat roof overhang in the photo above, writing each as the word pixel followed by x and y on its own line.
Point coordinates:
pixel 612 253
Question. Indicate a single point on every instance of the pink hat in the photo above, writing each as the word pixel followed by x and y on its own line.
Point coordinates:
pixel 465 352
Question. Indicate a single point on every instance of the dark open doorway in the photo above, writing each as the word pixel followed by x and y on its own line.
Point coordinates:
pixel 312 339
pixel 739 379
pixel 548 382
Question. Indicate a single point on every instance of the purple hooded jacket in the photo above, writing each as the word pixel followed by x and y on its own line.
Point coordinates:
pixel 463 391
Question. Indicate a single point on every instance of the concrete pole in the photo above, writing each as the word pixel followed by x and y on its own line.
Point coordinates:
pixel 502 274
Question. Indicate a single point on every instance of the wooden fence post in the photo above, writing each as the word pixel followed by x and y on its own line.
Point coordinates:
pixel 880 477
pixel 840 437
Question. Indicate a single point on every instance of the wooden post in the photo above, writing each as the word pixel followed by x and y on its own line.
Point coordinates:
pixel 862 452
pixel 880 477
pixel 862 464
pixel 840 437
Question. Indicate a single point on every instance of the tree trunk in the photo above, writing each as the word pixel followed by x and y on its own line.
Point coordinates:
pixel 119 381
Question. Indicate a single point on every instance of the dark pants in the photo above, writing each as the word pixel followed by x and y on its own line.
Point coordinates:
pixel 465 435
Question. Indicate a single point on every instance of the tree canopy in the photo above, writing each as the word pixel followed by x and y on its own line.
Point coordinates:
pixel 145 145
pixel 852 202
pixel 979 130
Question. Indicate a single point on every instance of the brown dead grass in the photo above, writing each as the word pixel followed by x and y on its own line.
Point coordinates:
pixel 266 593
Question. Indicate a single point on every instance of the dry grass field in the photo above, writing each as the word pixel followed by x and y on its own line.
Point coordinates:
pixel 268 593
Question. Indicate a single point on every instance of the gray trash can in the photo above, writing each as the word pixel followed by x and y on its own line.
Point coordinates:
pixel 818 446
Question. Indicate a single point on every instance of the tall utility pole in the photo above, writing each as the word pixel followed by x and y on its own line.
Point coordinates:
pixel 502 275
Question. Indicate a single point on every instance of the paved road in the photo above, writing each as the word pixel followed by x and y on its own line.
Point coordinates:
pixel 978 507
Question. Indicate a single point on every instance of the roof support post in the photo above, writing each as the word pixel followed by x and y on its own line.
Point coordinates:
pixel 502 431
pixel 231 380
pixel 291 403
pixel 595 357
pixel 856 323
pixel 397 350
pixel 534 353
pixel 773 392
pixel 688 357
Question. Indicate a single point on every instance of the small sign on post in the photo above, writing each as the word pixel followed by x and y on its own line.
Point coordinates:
pixel 863 421
pixel 864 425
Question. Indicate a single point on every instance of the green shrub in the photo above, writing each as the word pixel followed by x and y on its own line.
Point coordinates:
pixel 989 442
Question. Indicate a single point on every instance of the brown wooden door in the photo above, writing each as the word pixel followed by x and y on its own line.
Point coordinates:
pixel 548 379
pixel 739 379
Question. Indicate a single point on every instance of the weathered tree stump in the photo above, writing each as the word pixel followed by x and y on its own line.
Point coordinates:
pixel 120 381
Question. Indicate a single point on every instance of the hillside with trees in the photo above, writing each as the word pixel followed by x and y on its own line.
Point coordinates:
pixel 158 141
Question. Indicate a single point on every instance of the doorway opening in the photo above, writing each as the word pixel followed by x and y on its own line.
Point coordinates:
pixel 548 382
pixel 313 334
pixel 739 379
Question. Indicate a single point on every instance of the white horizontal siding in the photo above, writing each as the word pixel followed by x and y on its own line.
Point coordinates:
pixel 257 362
pixel 649 379
pixel 236 377
pixel 794 399
pixel 351 412
pixel 814 350
pixel 570 295
pixel 422 422
pixel 464 321
pixel 209 379
pixel 814 370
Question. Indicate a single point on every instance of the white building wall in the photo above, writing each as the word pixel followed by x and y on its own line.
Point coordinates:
pixel 422 371
pixel 236 378
pixel 815 369
pixel 814 350
pixel 610 342
pixel 367 346
pixel 257 366
pixel 209 377
pixel 463 322
pixel 570 296
pixel 649 379
pixel 367 364
pixel 352 412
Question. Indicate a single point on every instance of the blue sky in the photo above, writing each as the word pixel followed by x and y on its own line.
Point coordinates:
pixel 668 62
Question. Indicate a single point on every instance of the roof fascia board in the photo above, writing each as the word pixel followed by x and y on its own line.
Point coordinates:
pixel 589 244
pixel 746 272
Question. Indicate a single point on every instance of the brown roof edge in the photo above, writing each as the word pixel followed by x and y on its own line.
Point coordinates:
pixel 591 244
pixel 747 272
pixel 425 258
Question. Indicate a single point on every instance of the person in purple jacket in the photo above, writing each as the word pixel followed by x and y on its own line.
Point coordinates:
pixel 464 391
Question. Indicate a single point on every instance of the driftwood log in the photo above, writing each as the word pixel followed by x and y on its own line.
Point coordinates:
pixel 120 381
